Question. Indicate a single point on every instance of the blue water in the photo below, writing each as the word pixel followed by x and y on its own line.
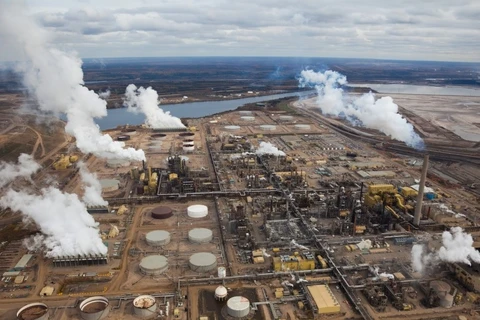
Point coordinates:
pixel 118 117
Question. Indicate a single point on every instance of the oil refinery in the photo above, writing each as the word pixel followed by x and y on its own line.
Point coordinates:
pixel 264 215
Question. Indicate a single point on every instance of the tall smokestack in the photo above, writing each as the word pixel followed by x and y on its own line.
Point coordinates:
pixel 418 206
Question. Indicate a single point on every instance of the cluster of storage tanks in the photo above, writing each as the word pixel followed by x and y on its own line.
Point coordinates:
pixel 93 308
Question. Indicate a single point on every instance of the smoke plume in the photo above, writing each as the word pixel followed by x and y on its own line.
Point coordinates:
pixel 55 79
pixel 268 148
pixel 67 228
pixel 92 187
pixel 457 246
pixel 25 167
pixel 146 101
pixel 104 94
pixel 381 114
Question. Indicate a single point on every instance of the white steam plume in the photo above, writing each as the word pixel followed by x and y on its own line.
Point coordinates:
pixel 67 228
pixel 55 79
pixel 381 114
pixel 268 148
pixel 25 167
pixel 104 94
pixel 457 246
pixel 146 101
pixel 92 187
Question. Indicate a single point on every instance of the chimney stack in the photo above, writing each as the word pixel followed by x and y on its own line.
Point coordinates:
pixel 418 206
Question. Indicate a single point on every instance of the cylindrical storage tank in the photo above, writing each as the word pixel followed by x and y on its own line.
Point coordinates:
pixel 129 131
pixel 162 212
pixel 158 136
pixel 123 137
pixel 197 211
pixel 186 134
pixel 158 238
pixel 94 308
pixel 247 118
pixel 238 307
pixel 285 118
pixel 200 235
pixel 154 265
pixel 222 272
pixel 33 311
pixel 221 293
pixel 245 112
pixel 203 262
pixel 118 163
pixel 109 185
pixel 188 142
pixel 302 126
pixel 268 127
pixel 188 148
pixel 442 289
pixel 144 306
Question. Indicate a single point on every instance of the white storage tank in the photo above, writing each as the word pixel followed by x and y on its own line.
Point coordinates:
pixel 247 118
pixel 203 262
pixel 443 289
pixel 188 148
pixel 94 308
pixel 144 306
pixel 268 127
pixel 302 126
pixel 200 235
pixel 238 307
pixel 197 211
pixel 222 272
pixel 33 311
pixel 154 265
pixel 221 293
pixel 158 238
pixel 232 128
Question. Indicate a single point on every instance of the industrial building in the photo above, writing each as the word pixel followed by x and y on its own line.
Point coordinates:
pixel 325 300
pixel 304 261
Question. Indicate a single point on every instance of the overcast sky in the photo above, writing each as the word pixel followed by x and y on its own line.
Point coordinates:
pixel 401 29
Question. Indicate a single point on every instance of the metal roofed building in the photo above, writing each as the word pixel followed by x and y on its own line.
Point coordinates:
pixel 22 263
pixel 324 299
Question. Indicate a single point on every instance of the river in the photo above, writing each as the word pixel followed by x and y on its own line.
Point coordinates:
pixel 121 116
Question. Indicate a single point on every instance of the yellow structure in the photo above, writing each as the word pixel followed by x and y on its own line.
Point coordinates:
pixel 172 176
pixel 408 192
pixel 299 262
pixel 19 279
pixel 64 162
pixel 113 232
pixel 322 262
pixel 258 260
pixel 122 210
pixel 381 188
pixel 46 291
pixel 324 299
pixel 257 253
pixel 192 128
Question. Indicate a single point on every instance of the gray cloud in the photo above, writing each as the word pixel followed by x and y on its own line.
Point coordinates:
pixel 440 29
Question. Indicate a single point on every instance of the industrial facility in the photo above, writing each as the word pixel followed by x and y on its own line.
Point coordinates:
pixel 255 214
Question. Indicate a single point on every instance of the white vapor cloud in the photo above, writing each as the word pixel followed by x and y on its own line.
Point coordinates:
pixel 25 167
pixel 67 228
pixel 146 101
pixel 55 78
pixel 104 94
pixel 268 148
pixel 380 114
pixel 457 246
pixel 92 187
